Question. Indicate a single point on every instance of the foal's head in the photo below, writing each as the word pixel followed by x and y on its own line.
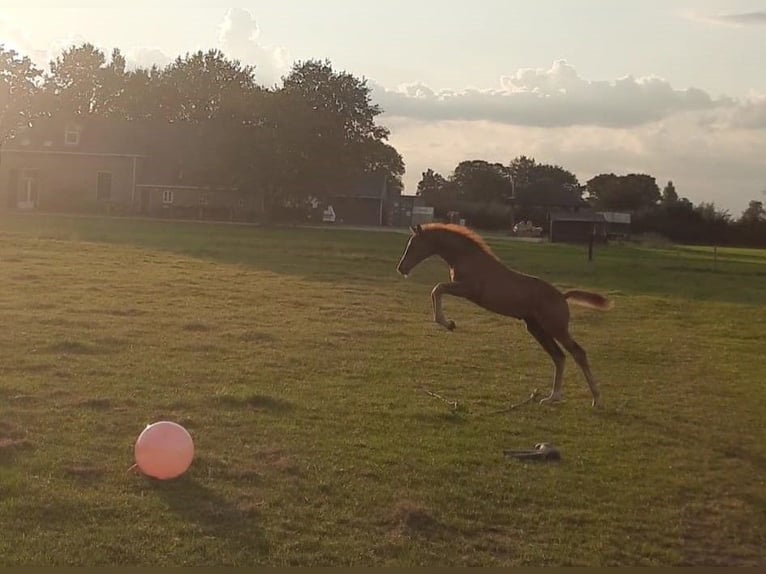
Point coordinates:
pixel 418 248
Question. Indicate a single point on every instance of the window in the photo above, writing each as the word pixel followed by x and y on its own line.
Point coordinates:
pixel 72 136
pixel 104 188
pixel 167 196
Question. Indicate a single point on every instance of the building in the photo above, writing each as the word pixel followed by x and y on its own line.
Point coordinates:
pixel 366 202
pixel 411 210
pixel 617 224
pixel 577 227
pixel 104 166
pixel 66 165
pixel 93 165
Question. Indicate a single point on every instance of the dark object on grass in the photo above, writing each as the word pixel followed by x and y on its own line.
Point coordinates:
pixel 543 452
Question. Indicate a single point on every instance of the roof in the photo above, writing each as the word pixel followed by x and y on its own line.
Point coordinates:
pixel 590 216
pixel 94 135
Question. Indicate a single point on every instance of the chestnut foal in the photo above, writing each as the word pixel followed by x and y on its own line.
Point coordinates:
pixel 478 275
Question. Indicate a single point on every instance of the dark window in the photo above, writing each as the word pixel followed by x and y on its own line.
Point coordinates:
pixel 104 190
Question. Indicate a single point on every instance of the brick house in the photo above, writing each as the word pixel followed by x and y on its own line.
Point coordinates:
pixel 96 165
pixel 92 165
pixel 64 165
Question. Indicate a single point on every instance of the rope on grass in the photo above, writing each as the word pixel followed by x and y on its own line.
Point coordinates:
pixel 454 405
pixel 534 395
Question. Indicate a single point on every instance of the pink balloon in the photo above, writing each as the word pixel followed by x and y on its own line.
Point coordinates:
pixel 164 450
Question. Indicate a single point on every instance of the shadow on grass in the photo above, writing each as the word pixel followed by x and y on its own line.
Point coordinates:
pixel 256 403
pixel 676 430
pixel 361 257
pixel 215 515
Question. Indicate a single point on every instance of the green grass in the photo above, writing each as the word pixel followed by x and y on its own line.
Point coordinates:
pixel 299 362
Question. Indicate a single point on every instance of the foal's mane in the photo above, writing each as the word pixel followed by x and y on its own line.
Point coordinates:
pixel 460 232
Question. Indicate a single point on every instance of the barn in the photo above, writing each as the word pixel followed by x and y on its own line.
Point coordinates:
pixel 577 227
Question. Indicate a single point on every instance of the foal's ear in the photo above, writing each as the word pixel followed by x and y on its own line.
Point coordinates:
pixel 417 230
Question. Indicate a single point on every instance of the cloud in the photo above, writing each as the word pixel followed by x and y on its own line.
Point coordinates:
pixel 751 114
pixel 552 97
pixel 742 19
pixel 13 38
pixel 238 38
pixel 737 20
pixel 145 57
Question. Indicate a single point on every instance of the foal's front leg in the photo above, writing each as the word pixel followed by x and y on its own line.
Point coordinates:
pixel 454 288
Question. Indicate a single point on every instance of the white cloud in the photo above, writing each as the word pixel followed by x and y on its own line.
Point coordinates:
pixel 556 96
pixel 145 57
pixel 751 113
pixel 14 38
pixel 238 38
pixel 756 18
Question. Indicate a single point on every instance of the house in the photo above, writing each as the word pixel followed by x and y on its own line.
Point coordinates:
pixel 370 201
pixel 70 165
pixel 94 165
pixel 97 165
pixel 577 227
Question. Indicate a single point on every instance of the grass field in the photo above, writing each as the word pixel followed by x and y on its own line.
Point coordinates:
pixel 300 361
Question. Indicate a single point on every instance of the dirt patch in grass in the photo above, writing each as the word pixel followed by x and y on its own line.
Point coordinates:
pixel 72 347
pixel 408 518
pixel 257 337
pixel 98 404
pixel 256 403
pixel 196 327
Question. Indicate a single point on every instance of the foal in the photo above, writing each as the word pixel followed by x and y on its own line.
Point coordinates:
pixel 478 275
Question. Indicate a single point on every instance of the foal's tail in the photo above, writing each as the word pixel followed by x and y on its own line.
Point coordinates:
pixel 588 299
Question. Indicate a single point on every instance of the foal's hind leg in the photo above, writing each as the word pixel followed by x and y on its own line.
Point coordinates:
pixel 582 360
pixel 549 344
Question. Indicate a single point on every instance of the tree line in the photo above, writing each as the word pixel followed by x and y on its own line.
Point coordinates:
pixel 490 194
pixel 318 133
pixel 314 134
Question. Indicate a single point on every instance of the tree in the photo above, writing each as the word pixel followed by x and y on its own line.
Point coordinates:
pixel 754 213
pixel 434 188
pixel 346 98
pixel 204 86
pixel 481 181
pixel 82 82
pixel 340 140
pixel 19 79
pixel 541 184
pixel 632 192
pixel 669 194
pixel 751 227
pixel 522 170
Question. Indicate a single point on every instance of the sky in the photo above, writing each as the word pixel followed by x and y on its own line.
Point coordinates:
pixel 672 88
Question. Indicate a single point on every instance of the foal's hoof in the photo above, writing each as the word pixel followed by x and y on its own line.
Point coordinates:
pixel 596 403
pixel 550 400
pixel 450 325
